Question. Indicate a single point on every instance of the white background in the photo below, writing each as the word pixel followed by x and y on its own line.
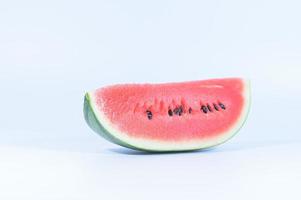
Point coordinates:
pixel 51 52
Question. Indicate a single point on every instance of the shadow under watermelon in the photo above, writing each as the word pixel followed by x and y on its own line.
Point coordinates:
pixel 241 146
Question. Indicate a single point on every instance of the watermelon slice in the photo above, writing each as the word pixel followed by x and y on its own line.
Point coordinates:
pixel 170 116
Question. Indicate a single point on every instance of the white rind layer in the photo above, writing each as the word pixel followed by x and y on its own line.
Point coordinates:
pixel 155 145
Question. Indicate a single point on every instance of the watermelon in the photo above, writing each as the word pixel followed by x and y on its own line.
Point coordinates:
pixel 163 117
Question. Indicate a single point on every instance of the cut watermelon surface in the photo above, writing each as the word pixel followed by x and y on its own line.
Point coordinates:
pixel 170 116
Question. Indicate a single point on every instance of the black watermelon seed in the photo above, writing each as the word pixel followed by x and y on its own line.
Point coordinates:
pixel 204 109
pixel 149 114
pixel 215 107
pixel 222 106
pixel 170 112
pixel 178 111
pixel 175 111
pixel 190 110
pixel 209 107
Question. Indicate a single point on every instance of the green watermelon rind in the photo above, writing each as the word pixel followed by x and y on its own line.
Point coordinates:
pixel 101 126
pixel 95 125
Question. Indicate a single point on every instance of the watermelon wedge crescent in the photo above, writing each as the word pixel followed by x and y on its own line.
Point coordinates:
pixel 169 116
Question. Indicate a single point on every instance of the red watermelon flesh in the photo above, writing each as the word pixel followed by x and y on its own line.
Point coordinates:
pixel 169 116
